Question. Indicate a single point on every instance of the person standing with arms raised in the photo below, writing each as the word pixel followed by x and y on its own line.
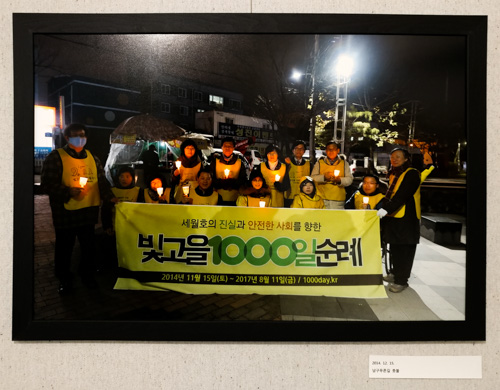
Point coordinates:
pixel 332 174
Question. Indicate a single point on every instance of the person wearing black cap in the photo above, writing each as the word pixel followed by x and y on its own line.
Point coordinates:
pixel 401 218
pixel 299 167
pixel 228 171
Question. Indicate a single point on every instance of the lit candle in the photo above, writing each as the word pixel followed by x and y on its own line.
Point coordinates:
pixel 83 181
pixel 365 199
pixel 160 191
pixel 277 178
pixel 226 172
pixel 178 164
pixel 262 203
pixel 185 190
pixel 336 172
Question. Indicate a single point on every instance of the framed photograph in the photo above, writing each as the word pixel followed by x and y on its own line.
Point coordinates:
pixel 414 82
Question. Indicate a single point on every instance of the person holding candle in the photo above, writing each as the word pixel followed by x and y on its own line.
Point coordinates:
pixel 332 175
pixel 157 191
pixel 75 208
pixel 275 174
pixel 187 171
pixel 203 193
pixel 368 196
pixel 400 215
pixel 228 171
pixel 299 167
pixel 256 192
pixel 308 197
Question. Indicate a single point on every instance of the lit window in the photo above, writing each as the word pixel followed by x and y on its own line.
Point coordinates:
pixel 216 100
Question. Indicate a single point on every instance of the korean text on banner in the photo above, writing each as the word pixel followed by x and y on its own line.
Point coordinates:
pixel 246 250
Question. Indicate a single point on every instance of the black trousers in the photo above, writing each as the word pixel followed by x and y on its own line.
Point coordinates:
pixel 65 241
pixel 402 257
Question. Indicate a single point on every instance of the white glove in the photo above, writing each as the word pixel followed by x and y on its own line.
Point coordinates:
pixel 381 213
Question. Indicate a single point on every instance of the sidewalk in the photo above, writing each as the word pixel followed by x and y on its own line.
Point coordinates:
pixel 437 292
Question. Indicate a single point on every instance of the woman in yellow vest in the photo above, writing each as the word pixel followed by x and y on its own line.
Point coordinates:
pixel 401 218
pixel 308 197
pixel 275 174
pixel 187 172
pixel 255 192
pixel 203 193
pixel 368 197
pixel 298 168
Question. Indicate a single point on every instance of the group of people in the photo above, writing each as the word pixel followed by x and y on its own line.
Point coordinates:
pixel 276 182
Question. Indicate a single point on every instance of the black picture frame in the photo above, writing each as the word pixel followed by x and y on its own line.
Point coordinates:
pixel 24 327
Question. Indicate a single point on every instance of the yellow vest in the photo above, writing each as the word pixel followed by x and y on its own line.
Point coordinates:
pixel 372 200
pixel 148 199
pixel 295 173
pixel 73 169
pixel 331 191
pixel 250 201
pixel 302 201
pixel 234 171
pixel 416 196
pixel 204 200
pixel 187 174
pixel 126 195
pixel 277 198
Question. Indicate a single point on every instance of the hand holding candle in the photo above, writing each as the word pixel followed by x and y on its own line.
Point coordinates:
pixel 178 164
pixel 185 190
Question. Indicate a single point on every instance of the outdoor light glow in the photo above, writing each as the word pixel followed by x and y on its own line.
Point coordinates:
pixel 296 75
pixel 345 66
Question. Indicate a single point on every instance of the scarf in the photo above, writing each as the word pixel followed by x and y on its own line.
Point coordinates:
pixel 396 172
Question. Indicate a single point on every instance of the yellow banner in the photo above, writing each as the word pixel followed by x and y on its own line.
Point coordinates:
pixel 244 250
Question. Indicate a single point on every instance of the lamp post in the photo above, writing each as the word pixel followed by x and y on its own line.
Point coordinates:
pixel 312 120
pixel 343 70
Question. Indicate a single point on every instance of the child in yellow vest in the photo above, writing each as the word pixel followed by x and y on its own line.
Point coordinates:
pixel 157 191
pixel 368 197
pixel 308 197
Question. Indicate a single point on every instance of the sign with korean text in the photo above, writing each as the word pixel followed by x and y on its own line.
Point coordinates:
pixel 245 250
pixel 233 130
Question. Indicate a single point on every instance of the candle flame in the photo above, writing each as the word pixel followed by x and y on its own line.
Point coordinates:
pixel 83 181
pixel 277 178
pixel 336 172
pixel 178 164
pixel 226 172
pixel 185 190
pixel 365 199
pixel 160 191
pixel 262 203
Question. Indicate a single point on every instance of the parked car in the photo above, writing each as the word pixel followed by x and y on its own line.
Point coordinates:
pixel 361 166
pixel 319 153
pixel 253 157
pixel 381 170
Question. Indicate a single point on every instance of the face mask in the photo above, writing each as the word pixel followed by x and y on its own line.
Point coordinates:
pixel 77 142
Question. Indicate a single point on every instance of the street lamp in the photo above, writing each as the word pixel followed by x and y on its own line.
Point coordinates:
pixel 343 69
